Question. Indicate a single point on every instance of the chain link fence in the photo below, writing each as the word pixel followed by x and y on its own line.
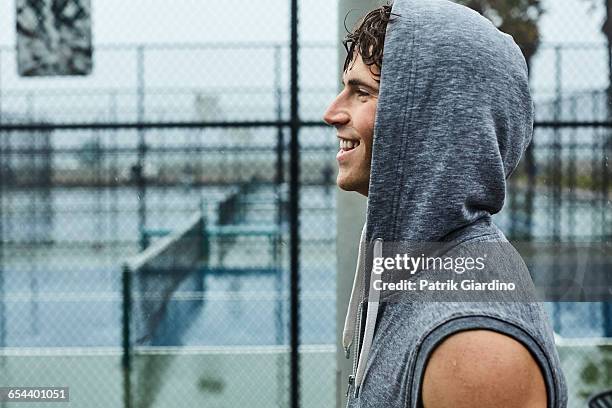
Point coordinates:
pixel 569 173
pixel 184 122
pixel 100 171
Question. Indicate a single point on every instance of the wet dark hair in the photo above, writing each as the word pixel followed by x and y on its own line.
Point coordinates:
pixel 368 38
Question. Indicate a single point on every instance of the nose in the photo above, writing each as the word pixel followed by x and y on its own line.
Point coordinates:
pixel 336 114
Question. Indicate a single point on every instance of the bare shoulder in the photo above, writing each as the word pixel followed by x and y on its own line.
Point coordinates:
pixel 482 368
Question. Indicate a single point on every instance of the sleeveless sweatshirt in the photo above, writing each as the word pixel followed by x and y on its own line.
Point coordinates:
pixel 454 117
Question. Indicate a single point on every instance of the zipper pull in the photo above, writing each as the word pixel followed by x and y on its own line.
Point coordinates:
pixel 347 351
pixel 351 381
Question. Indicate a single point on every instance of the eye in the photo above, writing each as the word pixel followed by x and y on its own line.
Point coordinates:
pixel 362 94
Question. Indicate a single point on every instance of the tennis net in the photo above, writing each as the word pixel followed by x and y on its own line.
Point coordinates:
pixel 167 285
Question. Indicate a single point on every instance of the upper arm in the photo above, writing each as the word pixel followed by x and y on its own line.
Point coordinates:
pixel 482 368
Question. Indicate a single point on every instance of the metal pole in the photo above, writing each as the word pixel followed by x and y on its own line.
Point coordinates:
pixel 279 179
pixel 572 176
pixel 126 361
pixel 294 198
pixel 142 151
pixel 555 179
pixel 114 180
pixel 607 306
pixel 556 165
pixel 2 310
pixel 608 32
pixel 607 139
pixel 0 86
pixel 281 366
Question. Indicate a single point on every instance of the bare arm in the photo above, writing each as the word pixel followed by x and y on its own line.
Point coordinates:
pixel 482 368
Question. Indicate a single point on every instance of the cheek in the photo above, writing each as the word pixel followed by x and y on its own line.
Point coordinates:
pixel 369 115
pixel 369 118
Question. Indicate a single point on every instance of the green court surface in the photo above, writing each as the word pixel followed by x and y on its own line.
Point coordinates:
pixel 174 377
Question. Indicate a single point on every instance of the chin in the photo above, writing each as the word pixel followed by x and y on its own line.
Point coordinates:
pixel 344 186
pixel 348 184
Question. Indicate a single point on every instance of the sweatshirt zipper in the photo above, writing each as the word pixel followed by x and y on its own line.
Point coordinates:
pixel 357 354
pixel 356 341
pixel 356 336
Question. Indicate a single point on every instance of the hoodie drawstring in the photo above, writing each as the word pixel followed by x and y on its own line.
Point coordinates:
pixel 351 315
pixel 351 320
pixel 372 314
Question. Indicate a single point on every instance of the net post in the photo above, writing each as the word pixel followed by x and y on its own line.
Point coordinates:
pixel 126 363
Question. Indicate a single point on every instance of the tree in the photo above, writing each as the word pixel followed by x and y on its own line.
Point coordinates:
pixel 519 18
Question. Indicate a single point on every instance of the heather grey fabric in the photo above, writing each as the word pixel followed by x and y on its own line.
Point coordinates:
pixel 454 117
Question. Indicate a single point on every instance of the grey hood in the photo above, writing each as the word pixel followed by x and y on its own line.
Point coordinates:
pixel 454 117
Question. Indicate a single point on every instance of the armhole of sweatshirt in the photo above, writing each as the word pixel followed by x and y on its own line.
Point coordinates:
pixel 456 325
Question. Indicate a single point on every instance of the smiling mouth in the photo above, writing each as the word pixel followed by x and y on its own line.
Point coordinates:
pixel 348 145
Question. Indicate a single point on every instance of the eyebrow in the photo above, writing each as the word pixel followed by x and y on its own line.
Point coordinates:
pixel 354 82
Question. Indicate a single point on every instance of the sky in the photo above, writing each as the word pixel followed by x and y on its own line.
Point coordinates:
pixel 240 21
pixel 135 21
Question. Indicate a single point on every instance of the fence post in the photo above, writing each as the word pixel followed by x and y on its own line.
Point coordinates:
pixel 605 204
pixel 2 311
pixel 126 362
pixel 555 169
pixel 142 150
pixel 294 216
pixel 607 306
pixel 0 85
pixel 279 179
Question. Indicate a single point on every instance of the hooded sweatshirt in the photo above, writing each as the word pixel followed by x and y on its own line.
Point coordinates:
pixel 454 117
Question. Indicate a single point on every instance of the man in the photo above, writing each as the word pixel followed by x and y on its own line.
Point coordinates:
pixel 433 119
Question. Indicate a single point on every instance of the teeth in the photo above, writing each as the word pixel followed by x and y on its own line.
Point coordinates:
pixel 348 144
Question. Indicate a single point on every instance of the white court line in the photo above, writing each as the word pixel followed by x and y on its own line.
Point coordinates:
pixel 174 350
pixel 116 297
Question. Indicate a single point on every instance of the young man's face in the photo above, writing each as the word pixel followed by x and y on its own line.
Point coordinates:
pixel 352 113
